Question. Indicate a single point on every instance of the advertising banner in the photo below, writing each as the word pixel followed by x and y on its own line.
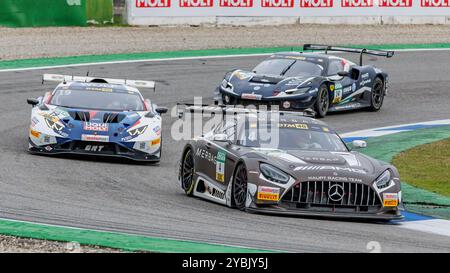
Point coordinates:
pixel 139 9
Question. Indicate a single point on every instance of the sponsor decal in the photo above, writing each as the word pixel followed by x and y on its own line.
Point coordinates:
pixel 268 193
pixel 364 82
pixel 390 199
pixel 334 179
pixel 204 154
pixel 435 3
pixel 152 3
pixel 356 3
pixel 337 95
pixel 331 168
pixel 94 126
pixel 94 148
pixel 316 3
pixel 332 87
pixel 94 138
pixel 395 3
pixel 293 126
pixel 34 121
pixel 236 3
pixel 215 192
pixel 251 96
pixel 196 3
pixel 277 3
pixel 220 166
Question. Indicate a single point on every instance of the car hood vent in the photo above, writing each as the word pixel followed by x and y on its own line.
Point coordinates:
pixel 266 79
pixel 80 115
pixel 113 117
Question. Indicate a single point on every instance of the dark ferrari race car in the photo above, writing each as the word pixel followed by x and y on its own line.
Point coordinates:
pixel 305 169
pixel 298 81
pixel 96 116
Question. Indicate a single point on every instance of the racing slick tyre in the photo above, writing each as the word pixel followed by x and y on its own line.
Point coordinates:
pixel 187 172
pixel 378 91
pixel 322 102
pixel 239 187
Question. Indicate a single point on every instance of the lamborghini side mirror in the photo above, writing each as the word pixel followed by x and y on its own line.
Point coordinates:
pixel 161 110
pixel 32 102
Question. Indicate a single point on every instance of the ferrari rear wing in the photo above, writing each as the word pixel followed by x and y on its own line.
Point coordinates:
pixel 233 109
pixel 71 78
pixel 360 51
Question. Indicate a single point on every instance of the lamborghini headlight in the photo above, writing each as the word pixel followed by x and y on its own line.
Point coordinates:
pixel 273 174
pixel 53 124
pixel 297 91
pixel 137 131
pixel 384 180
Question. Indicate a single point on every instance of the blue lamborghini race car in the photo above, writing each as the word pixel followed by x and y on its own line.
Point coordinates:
pixel 96 116
pixel 295 81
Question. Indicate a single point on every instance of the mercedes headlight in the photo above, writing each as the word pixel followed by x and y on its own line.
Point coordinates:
pixel 297 91
pixel 53 124
pixel 273 174
pixel 137 131
pixel 384 180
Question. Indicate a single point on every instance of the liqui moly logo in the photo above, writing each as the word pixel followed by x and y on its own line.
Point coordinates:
pixel 395 3
pixel 356 3
pixel 196 3
pixel 316 3
pixel 277 3
pixel 236 3
pixel 435 3
pixel 93 126
pixel 153 3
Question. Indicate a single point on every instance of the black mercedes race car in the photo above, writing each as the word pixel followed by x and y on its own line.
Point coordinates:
pixel 303 168
pixel 298 81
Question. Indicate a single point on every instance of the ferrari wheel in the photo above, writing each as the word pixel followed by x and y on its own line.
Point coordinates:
pixel 239 188
pixel 377 95
pixel 323 102
pixel 187 173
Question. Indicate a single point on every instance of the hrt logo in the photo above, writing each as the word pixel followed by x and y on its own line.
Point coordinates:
pixel 153 3
pixel 356 3
pixel 316 3
pixel 236 3
pixel 435 3
pixel 196 3
pixel 93 148
pixel 395 3
pixel 277 3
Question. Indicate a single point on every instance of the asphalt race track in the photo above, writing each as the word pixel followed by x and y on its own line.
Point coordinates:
pixel 143 199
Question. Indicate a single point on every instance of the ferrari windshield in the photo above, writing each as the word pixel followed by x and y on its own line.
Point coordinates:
pixel 292 139
pixel 97 100
pixel 288 67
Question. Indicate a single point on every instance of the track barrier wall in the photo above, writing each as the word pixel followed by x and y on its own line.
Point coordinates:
pixel 248 12
pixel 32 13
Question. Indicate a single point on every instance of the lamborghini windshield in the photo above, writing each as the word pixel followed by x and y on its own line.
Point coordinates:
pixel 298 138
pixel 288 67
pixel 106 100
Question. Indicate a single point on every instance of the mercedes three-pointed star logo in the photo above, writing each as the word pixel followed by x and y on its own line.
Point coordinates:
pixel 336 192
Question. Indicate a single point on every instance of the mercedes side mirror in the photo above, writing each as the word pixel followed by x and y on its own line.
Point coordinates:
pixel 357 144
pixel 220 138
pixel 33 102
pixel 344 73
pixel 161 110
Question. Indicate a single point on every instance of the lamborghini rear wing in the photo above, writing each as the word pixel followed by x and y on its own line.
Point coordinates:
pixel 360 51
pixel 232 109
pixel 71 78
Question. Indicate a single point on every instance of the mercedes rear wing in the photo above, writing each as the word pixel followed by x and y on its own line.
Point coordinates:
pixel 233 109
pixel 71 78
pixel 360 51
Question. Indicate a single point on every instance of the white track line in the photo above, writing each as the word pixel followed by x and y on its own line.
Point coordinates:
pixel 188 58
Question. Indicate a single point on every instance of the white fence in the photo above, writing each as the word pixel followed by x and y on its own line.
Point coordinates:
pixel 244 12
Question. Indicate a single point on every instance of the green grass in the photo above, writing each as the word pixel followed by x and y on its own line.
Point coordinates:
pixel 426 166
